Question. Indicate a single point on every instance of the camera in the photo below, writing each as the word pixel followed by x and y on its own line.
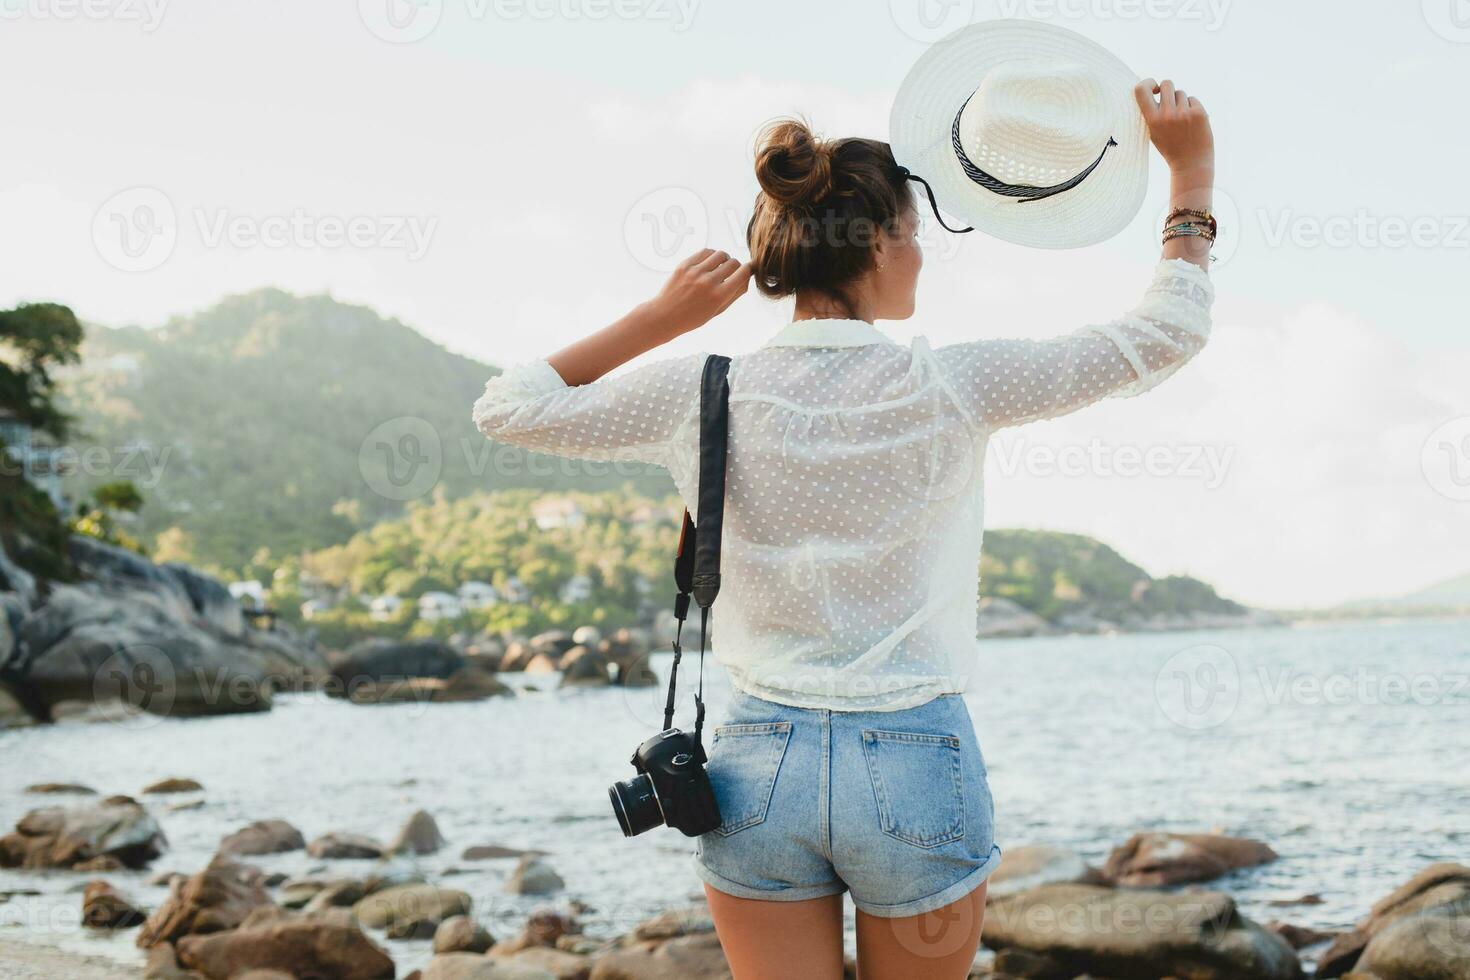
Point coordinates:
pixel 671 788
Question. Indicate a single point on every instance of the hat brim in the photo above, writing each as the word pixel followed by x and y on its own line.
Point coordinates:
pixel 950 71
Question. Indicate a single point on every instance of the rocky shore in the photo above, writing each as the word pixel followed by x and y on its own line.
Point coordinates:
pixel 1142 914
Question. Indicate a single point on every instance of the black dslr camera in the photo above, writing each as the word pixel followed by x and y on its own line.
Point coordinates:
pixel 671 788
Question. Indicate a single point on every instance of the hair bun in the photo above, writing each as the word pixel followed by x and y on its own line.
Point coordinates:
pixel 794 168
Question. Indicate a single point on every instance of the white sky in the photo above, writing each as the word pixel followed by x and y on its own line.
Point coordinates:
pixel 508 170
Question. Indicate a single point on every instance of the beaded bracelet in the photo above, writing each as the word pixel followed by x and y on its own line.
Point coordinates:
pixel 1188 230
pixel 1204 216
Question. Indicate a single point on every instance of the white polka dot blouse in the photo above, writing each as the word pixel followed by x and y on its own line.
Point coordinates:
pixel 854 498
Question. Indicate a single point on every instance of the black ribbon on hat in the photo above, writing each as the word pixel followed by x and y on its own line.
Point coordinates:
pixel 1023 192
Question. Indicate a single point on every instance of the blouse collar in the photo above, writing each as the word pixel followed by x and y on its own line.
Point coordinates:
pixel 827 333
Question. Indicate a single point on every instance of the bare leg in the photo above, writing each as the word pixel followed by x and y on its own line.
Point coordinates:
pixel 938 945
pixel 779 940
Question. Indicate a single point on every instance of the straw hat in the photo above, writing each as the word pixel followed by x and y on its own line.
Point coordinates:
pixel 1029 132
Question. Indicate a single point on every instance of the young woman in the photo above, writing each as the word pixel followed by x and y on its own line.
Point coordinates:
pixel 852 535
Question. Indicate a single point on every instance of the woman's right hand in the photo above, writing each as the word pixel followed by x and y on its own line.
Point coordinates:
pixel 1179 127
pixel 702 287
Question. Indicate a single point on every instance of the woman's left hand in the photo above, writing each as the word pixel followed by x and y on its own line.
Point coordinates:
pixel 702 287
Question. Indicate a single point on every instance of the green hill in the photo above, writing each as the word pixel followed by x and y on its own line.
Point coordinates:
pixel 245 425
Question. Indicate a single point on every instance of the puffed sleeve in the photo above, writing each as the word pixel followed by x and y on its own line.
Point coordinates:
pixel 626 417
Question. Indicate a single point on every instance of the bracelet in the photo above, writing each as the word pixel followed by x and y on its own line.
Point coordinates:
pixel 1189 231
pixel 1204 216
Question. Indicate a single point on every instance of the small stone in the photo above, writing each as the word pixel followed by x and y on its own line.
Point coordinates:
pixel 461 934
pixel 175 786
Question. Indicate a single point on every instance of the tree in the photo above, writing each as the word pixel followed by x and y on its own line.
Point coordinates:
pixel 120 495
pixel 38 338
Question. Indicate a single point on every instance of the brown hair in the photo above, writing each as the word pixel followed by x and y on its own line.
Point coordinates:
pixel 820 210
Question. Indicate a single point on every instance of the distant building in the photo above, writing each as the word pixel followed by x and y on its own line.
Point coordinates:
pixel 515 591
pixel 477 595
pixel 384 607
pixel 249 594
pixel 551 513
pixel 578 588
pixel 647 515
pixel 434 606
pixel 40 464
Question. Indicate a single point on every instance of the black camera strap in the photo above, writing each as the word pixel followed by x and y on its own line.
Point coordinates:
pixel 697 565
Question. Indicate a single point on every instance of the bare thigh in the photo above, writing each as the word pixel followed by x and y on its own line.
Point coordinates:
pixel 779 940
pixel 938 945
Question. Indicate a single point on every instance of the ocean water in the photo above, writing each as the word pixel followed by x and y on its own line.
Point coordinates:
pixel 1345 747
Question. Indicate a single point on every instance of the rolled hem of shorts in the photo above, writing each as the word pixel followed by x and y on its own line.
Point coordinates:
pixel 794 894
pixel 939 899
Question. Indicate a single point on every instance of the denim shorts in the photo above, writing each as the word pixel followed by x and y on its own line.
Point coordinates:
pixel 890 805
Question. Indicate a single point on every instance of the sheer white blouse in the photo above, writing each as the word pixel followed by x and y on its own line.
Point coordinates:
pixel 854 499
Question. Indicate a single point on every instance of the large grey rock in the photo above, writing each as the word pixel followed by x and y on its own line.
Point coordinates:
pixel 533 876
pixel 1127 933
pixel 217 899
pixel 472 966
pixel 411 911
pixel 420 835
pixel 321 947
pixel 696 957
pixel 117 828
pixel 386 660
pixel 262 837
pixel 1031 865
pixel 1001 617
pixel 1433 945
pixel 17 580
pixel 209 597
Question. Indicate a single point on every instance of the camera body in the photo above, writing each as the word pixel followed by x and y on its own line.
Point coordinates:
pixel 672 787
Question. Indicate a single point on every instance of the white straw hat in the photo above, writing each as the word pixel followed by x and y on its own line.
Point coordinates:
pixel 1029 132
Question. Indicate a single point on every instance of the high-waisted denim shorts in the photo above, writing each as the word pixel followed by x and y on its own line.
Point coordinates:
pixel 891 805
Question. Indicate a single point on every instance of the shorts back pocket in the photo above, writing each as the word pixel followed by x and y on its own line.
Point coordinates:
pixel 918 784
pixel 743 763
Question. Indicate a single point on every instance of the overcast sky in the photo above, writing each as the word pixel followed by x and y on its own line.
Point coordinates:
pixel 506 175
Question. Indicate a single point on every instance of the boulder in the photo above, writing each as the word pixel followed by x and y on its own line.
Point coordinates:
pixel 420 835
pixel 582 666
pixel 61 789
pixel 296 892
pixel 697 957
pixel 380 660
pixel 516 656
pixel 1430 945
pixel 1440 889
pixel 263 837
pixel 209 597
pixel 174 786
pixel 491 852
pixel 162 964
pixel 534 876
pixel 553 643
pixel 337 895
pixel 411 911
pixel 471 966
pixel 1300 937
pixel 321 948
pixel 145 648
pixel 544 927
pixel 17 581
pixel 461 934
pixel 586 636
pixel 559 963
pixel 104 907
pixel 336 846
pixel 686 921
pixel 543 663
pixel 1152 860
pixel 218 898
pixel 473 683
pixel 1031 865
pixel 637 672
pixel 117 828
pixel 1123 933
pixel 1001 617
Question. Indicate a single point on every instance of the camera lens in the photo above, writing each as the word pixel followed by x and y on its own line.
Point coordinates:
pixel 636 805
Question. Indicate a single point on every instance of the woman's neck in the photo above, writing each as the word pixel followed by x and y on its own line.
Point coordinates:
pixel 811 305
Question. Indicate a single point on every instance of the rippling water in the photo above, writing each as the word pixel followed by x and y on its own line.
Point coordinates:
pixel 1347 748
